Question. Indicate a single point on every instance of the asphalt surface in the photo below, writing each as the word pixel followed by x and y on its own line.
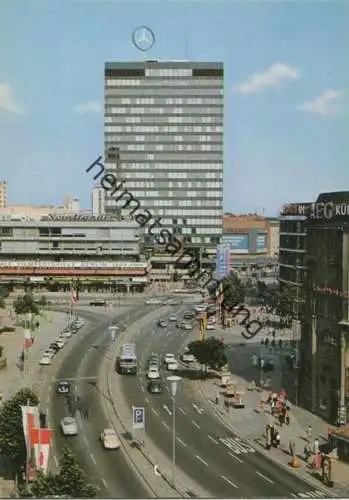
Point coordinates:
pixel 206 450
pixel 108 469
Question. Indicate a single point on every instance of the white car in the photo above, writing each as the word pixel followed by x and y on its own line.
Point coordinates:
pixel 110 439
pixel 66 335
pixel 153 302
pixel 172 318
pixel 68 426
pixel 173 365
pixel 80 323
pixel 49 353
pixel 188 358
pixel 45 360
pixel 61 342
pixel 210 326
pixel 168 358
pixel 153 373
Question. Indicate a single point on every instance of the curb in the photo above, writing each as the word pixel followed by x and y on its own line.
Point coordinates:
pixel 260 449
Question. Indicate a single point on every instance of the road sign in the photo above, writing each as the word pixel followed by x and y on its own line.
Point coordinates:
pixel 138 418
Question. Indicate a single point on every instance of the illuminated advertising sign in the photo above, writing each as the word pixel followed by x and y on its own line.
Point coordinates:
pixel 237 242
pixel 327 211
pixel 261 243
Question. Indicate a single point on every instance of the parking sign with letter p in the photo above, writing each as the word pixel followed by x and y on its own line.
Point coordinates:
pixel 138 418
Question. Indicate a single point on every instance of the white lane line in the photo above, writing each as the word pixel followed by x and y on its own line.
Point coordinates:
pixel 165 425
pixel 154 411
pixel 105 482
pixel 182 442
pixel 142 388
pixel 93 458
pixel 212 439
pixel 56 461
pixel 201 460
pixel 264 477
pixel 76 388
pixel 85 439
pixel 182 411
pixel 196 425
pixel 235 457
pixel 147 400
pixel 166 408
pixel 230 482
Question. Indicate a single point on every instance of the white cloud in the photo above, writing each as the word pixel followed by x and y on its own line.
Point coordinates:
pixel 8 101
pixel 323 105
pixel 274 76
pixel 88 107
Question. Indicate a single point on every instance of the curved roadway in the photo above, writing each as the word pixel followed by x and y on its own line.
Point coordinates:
pixel 206 450
pixel 109 470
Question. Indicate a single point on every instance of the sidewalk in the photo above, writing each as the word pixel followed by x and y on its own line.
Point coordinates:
pixel 250 423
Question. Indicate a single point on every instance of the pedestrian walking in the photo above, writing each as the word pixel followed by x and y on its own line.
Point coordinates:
pixel 316 446
pixel 292 447
pixel 309 432
pixel 307 452
pixel 217 398
pixel 277 439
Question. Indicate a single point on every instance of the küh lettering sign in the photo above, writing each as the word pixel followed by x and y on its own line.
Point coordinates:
pixel 326 211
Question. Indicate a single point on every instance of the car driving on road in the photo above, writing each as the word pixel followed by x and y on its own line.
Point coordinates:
pixel 155 387
pixel 110 439
pixel 63 387
pixel 162 323
pixel 153 372
pixel 69 427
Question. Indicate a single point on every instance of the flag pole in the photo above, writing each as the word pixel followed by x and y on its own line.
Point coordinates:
pixel 28 454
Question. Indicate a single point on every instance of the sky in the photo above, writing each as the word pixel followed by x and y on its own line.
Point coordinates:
pixel 286 91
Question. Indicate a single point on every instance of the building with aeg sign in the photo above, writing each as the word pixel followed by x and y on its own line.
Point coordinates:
pixel 324 343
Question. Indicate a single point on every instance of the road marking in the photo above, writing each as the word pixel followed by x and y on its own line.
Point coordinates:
pixel 236 445
pixel 85 440
pixel 56 461
pixel 182 411
pixel 182 442
pixel 76 388
pixel 93 458
pixel 264 477
pixel 201 460
pixel 294 495
pixel 142 388
pixel 48 400
pixel 197 409
pixel 147 400
pixel 105 482
pixel 230 482
pixel 196 425
pixel 236 458
pixel 166 408
pixel 154 411
pixel 165 425
pixel 212 439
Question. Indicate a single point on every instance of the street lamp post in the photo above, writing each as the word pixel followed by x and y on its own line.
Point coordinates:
pixel 174 382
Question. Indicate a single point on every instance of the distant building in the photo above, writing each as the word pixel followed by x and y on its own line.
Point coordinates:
pixel 55 249
pixel 273 229
pixel 3 194
pixel 248 239
pixel 97 200
pixel 23 212
pixel 72 203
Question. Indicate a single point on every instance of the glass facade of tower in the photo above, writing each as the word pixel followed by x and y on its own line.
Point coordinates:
pixel 166 119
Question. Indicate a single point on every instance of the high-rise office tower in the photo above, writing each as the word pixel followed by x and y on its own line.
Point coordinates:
pixel 3 194
pixel 166 120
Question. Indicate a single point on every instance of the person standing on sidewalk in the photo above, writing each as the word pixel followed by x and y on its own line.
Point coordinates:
pixel 309 432
pixel 292 447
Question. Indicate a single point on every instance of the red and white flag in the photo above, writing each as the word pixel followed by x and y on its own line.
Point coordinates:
pixel 74 297
pixel 30 420
pixel 41 442
pixel 28 339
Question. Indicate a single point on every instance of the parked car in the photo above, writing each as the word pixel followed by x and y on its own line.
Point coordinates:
pixel 54 346
pixel 173 365
pixel 110 439
pixel 45 360
pixel 162 323
pixel 172 318
pixel 68 426
pixel 168 358
pixel 61 342
pixel 66 335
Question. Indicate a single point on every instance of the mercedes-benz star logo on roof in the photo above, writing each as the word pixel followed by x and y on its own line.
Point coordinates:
pixel 143 38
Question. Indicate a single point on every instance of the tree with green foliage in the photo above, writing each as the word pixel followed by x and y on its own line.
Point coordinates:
pixel 70 482
pixel 12 441
pixel 209 352
pixel 233 291
pixel 4 291
pixel 25 304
